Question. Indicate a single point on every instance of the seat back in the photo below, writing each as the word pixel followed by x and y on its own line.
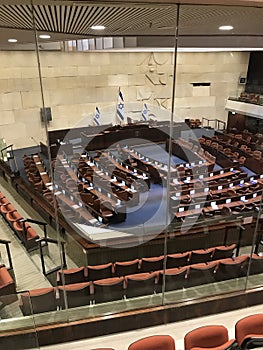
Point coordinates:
pixel 155 342
pixel 38 300
pixel 122 268
pixel 174 279
pixel 77 294
pixel 200 256
pixel 108 289
pixel 151 264
pixel 222 252
pixel 249 326
pixel 201 274
pixel 206 337
pixel 76 275
pixel 98 272
pixel 177 260
pixel 140 284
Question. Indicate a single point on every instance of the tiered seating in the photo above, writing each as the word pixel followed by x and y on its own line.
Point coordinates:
pixel 7 285
pixel 248 335
pixel 209 337
pixel 140 284
pixel 23 230
pixel 104 283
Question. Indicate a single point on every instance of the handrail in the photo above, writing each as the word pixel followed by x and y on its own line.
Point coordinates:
pixel 51 240
pixel 216 122
pixel 6 243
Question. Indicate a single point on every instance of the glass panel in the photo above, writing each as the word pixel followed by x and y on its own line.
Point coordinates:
pixel 222 203
pixel 109 114
pixel 144 186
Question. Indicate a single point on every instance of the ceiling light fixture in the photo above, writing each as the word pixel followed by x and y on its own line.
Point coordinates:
pixel 12 40
pixel 98 27
pixel 226 27
pixel 44 36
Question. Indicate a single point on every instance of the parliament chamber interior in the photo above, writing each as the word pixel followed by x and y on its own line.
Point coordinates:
pixel 131 168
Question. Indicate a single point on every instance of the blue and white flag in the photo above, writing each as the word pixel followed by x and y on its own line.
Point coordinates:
pixel 145 112
pixel 96 117
pixel 120 107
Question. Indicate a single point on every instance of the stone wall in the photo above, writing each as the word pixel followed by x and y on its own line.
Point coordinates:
pixel 74 83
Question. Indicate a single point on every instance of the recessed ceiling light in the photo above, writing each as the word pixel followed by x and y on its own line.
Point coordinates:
pixel 98 27
pixel 12 40
pixel 226 28
pixel 44 36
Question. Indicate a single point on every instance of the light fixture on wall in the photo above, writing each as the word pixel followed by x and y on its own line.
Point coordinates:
pixel 97 27
pixel 44 36
pixel 226 27
pixel 12 40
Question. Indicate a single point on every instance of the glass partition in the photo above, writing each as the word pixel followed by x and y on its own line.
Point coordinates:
pixel 129 178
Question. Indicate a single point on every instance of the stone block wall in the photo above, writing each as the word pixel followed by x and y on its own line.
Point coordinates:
pixel 75 83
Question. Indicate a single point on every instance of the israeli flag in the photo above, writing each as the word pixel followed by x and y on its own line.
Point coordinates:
pixel 120 107
pixel 145 113
pixel 96 117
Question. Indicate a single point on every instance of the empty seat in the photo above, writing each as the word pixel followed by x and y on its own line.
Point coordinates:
pixel 200 256
pixel 249 332
pixel 122 268
pixel 151 264
pixel 13 216
pixel 231 268
pixel 154 342
pixel 7 208
pixel 77 294
pixel 108 289
pixel 208 337
pixel 222 252
pixel 75 275
pixel 174 279
pixel 140 284
pixel 98 272
pixel 256 264
pixel 201 273
pixel 7 284
pixel 177 260
pixel 37 301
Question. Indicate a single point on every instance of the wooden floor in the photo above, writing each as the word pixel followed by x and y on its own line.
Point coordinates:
pixel 27 266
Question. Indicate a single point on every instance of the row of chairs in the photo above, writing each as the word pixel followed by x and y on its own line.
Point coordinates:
pixel 122 268
pixel 135 285
pixel 23 230
pixel 248 335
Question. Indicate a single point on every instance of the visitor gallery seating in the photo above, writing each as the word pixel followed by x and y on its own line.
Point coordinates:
pixel 108 289
pixel 37 301
pixel 208 337
pixel 154 342
pixel 140 284
pixel 249 332
pixel 77 294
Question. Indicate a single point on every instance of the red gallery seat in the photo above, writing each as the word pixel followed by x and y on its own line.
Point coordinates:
pixel 38 301
pixel 175 278
pixel 151 264
pixel 231 268
pixel 98 272
pixel 77 294
pixel 122 268
pixel 249 332
pixel 201 273
pixel 222 252
pixel 177 260
pixel 154 342
pixel 75 275
pixel 208 337
pixel 140 284
pixel 108 289
pixel 200 256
